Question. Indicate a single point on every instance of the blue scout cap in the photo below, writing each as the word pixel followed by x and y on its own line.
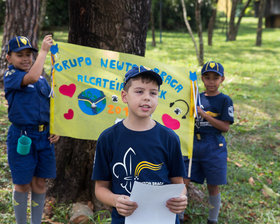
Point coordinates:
pixel 19 43
pixel 212 66
pixel 135 71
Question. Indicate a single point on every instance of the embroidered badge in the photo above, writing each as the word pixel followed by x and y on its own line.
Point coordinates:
pixel 230 111
pixel 23 40
pixel 212 65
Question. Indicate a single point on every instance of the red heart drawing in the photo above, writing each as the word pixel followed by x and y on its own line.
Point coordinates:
pixel 69 115
pixel 68 90
pixel 169 122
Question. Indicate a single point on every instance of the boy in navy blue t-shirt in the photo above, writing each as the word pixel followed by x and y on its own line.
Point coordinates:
pixel 215 114
pixel 137 149
pixel 27 93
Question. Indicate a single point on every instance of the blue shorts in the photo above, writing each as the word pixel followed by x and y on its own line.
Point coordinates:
pixel 209 160
pixel 40 162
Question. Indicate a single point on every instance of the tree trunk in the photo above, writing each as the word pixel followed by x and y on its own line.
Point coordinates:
pixel 240 18
pixel 260 23
pixel 119 25
pixel 21 19
pixel 160 21
pixel 211 24
pixel 42 13
pixel 199 31
pixel 153 29
pixel 189 27
pixel 233 30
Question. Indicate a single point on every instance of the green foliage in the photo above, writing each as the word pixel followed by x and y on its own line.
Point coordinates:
pixel 172 14
pixel 60 212
pixel 252 81
pixel 56 14
pixel 102 217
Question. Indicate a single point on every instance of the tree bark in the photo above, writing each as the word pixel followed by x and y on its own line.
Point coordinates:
pixel 240 17
pixel 42 13
pixel 199 31
pixel 21 19
pixel 113 25
pixel 185 16
pixel 153 29
pixel 233 28
pixel 211 24
pixel 119 25
pixel 260 22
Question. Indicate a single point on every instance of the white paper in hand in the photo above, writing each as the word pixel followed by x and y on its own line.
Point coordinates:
pixel 151 202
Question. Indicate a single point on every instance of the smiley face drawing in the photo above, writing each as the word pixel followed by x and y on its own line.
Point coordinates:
pixel 92 101
pixel 171 122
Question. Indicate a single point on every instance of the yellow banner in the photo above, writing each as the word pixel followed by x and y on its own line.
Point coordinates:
pixel 87 84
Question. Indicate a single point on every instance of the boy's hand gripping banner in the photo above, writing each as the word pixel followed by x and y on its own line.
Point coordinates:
pixel 87 85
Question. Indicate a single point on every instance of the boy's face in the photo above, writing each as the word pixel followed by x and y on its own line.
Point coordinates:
pixel 21 60
pixel 212 82
pixel 141 98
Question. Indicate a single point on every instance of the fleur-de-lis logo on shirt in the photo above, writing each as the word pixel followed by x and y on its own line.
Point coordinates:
pixel 125 168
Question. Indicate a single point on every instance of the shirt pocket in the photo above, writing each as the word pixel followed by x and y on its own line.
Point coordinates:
pixel 44 89
pixel 221 142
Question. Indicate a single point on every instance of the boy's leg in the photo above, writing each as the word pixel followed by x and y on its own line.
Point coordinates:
pixel 215 168
pixel 45 168
pixel 20 197
pixel 215 203
pixel 37 199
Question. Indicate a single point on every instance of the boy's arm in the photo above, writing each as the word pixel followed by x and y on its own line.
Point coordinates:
pixel 36 69
pixel 122 203
pixel 179 204
pixel 221 125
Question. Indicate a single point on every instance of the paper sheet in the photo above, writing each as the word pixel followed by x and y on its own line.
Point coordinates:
pixel 151 202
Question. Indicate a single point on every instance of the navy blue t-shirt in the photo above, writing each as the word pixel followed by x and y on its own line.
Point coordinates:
pixel 123 156
pixel 28 105
pixel 219 107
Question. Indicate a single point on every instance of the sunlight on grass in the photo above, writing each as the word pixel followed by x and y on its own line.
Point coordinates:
pixel 253 82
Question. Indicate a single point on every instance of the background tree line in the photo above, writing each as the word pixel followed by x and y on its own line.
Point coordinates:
pixel 57 13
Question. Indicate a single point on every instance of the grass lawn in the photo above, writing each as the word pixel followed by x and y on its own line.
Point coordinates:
pixel 253 82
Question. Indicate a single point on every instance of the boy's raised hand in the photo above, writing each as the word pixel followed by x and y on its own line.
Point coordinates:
pixel 177 205
pixel 124 206
pixel 47 43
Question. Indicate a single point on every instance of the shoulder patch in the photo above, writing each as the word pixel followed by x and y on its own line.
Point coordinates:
pixel 10 72
pixel 230 111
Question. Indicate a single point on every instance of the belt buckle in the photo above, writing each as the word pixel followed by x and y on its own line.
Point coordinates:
pixel 41 128
pixel 198 136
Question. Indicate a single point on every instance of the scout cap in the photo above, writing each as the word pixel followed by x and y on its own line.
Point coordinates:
pixel 135 71
pixel 19 43
pixel 212 66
